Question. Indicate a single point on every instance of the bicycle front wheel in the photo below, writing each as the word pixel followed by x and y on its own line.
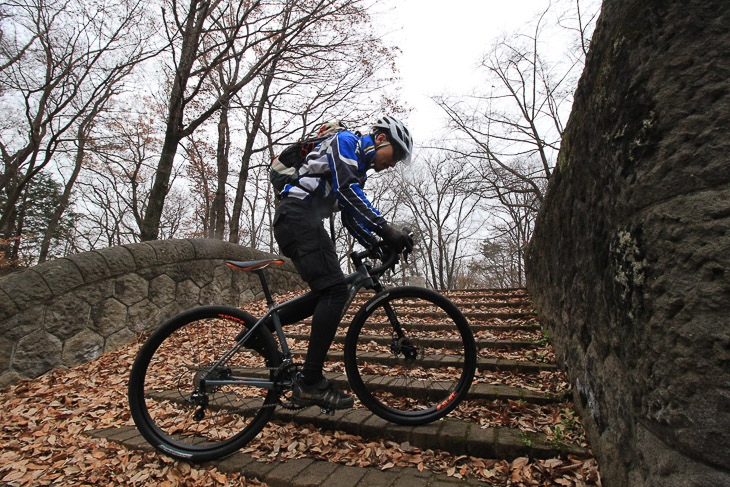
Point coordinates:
pixel 171 400
pixel 410 355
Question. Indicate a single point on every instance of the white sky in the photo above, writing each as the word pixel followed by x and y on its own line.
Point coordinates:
pixel 442 43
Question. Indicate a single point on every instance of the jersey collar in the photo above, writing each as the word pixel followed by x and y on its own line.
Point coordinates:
pixel 367 149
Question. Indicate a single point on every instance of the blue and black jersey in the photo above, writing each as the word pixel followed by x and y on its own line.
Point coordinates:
pixel 333 176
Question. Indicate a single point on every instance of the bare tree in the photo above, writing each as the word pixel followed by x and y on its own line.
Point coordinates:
pixel 259 208
pixel 117 177
pixel 12 49
pixel 72 56
pixel 252 125
pixel 218 206
pixel 512 132
pixel 201 175
pixel 510 232
pixel 516 120
pixel 83 135
pixel 580 18
pixel 206 33
pixel 330 74
pixel 438 192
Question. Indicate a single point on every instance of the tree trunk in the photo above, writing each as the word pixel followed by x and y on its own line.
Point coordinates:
pixel 161 186
pixel 151 222
pixel 65 197
pixel 218 210
pixel 247 153
pixel 20 218
pixel 15 185
pixel 238 201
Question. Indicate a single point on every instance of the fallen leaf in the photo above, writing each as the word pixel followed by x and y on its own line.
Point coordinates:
pixel 520 462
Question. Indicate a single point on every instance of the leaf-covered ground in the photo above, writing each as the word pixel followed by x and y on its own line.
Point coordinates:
pixel 45 419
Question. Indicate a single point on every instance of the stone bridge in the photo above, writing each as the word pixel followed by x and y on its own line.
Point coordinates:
pixel 71 310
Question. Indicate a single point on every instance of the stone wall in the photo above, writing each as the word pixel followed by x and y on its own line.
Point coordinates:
pixel 629 262
pixel 68 311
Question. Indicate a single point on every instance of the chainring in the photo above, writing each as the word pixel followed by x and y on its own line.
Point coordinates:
pixel 284 378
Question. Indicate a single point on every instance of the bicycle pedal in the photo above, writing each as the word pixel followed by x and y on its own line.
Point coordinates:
pixel 328 412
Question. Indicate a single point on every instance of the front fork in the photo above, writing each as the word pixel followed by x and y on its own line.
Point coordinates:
pixel 400 343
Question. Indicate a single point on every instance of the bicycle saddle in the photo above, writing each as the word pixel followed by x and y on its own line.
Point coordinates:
pixel 252 265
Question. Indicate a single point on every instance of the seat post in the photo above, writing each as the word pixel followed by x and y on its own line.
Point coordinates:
pixel 265 287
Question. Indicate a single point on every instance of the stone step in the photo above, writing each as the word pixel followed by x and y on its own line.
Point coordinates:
pixel 301 472
pixel 469 315
pixel 435 361
pixel 478 391
pixel 451 435
pixel 500 304
pixel 436 342
pixel 474 304
pixel 486 292
pixel 435 327
pixel 454 436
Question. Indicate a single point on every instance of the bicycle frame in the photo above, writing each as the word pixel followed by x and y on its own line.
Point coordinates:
pixel 361 278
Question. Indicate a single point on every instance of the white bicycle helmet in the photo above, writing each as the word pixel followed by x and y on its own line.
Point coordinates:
pixel 398 134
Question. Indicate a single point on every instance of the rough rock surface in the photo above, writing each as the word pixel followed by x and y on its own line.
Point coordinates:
pixel 629 262
pixel 69 311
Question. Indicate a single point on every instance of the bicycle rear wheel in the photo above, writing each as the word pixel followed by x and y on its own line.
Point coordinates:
pixel 410 355
pixel 171 403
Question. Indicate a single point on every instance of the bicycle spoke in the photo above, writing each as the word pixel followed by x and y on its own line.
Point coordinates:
pixel 173 403
pixel 202 343
pixel 403 373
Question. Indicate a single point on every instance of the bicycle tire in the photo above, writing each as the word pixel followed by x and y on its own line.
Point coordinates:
pixel 421 378
pixel 169 368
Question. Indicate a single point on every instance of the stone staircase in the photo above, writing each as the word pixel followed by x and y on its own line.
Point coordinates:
pixel 513 368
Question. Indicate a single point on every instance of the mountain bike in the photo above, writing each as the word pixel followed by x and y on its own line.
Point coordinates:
pixel 209 379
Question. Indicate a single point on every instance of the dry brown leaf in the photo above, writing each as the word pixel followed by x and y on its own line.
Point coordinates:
pixel 520 462
pixel 219 477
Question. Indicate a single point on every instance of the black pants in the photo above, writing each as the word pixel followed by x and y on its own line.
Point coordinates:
pixel 302 237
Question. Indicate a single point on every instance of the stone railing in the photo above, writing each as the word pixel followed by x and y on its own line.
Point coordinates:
pixel 69 311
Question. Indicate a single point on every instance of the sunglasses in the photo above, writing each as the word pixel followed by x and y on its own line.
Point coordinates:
pixel 398 153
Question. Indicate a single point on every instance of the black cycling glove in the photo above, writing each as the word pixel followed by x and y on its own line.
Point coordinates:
pixel 398 240
pixel 381 251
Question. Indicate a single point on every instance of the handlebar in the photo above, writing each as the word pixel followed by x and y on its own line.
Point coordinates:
pixel 389 262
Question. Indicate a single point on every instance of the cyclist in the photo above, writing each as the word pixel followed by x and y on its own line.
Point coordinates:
pixel 332 176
